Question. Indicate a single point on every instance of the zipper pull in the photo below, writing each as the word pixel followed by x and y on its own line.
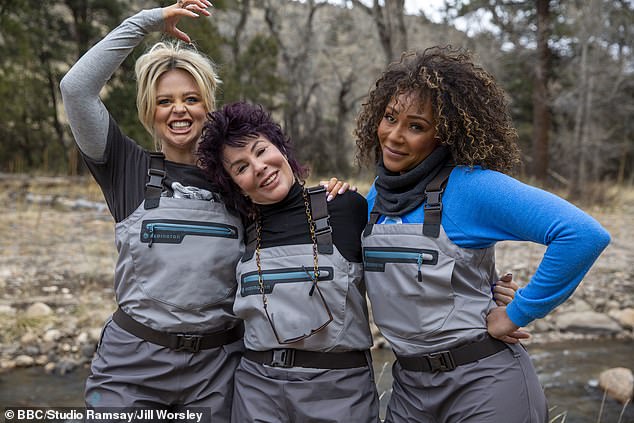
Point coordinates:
pixel 420 264
pixel 313 279
pixel 151 232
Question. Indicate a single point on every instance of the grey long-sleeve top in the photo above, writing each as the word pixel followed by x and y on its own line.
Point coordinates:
pixel 87 115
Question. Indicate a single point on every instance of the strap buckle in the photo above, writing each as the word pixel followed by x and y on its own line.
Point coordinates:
pixel 316 189
pixel 283 358
pixel 156 178
pixel 322 226
pixel 440 361
pixel 188 343
pixel 433 200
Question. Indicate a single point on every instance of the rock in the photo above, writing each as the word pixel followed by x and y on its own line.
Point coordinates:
pixel 36 310
pixel 47 346
pixel 380 342
pixel 625 317
pixel 619 383
pixel 24 361
pixel 587 322
pixel 613 305
pixel 7 310
pixel 65 366
pixel 7 364
pixel 581 306
pixel 32 350
pixel 28 338
pixel 87 350
pixel 82 338
pixel 94 334
pixel 49 368
pixel 50 289
pixel 41 360
pixel 541 326
pixel 52 335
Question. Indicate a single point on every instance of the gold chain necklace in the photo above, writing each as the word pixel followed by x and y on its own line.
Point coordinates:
pixel 311 225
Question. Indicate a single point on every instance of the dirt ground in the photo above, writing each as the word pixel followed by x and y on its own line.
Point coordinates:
pixel 57 248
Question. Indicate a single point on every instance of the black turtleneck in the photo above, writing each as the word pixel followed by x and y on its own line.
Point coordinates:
pixel 285 223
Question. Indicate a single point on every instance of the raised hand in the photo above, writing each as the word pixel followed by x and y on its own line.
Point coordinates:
pixel 183 8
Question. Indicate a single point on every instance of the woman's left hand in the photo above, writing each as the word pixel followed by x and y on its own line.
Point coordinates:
pixel 183 8
pixel 501 327
pixel 335 187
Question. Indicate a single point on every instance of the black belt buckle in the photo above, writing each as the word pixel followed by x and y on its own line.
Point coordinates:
pixel 440 361
pixel 188 343
pixel 283 358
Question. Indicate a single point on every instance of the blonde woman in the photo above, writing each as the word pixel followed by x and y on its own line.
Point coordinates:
pixel 174 341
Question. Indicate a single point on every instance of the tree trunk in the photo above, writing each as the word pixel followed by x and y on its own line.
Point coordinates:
pixel 541 99
pixel 390 25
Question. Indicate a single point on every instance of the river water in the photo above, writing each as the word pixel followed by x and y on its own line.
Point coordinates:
pixel 568 372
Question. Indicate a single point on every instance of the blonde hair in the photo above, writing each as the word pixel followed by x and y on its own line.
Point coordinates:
pixel 163 57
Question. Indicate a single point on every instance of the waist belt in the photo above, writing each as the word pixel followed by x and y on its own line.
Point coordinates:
pixel 452 358
pixel 288 357
pixel 178 341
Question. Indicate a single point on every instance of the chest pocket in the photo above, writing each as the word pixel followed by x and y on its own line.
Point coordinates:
pixel 292 310
pixel 409 288
pixel 187 263
pixel 296 307
pixel 174 231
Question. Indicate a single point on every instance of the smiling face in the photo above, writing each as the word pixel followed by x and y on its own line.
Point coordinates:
pixel 260 170
pixel 406 133
pixel 179 116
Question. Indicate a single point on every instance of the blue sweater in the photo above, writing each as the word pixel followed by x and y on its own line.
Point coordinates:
pixel 481 207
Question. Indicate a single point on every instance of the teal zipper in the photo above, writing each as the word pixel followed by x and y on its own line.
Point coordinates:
pixel 375 259
pixel 173 232
pixel 250 283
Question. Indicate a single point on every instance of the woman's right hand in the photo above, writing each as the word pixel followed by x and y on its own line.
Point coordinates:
pixel 504 290
pixel 190 8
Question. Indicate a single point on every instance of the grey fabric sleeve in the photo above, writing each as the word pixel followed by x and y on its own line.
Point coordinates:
pixel 80 87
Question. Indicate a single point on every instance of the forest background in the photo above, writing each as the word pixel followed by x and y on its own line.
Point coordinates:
pixel 566 64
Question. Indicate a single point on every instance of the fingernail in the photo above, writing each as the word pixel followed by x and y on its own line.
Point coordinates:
pixel 341 191
pixel 330 197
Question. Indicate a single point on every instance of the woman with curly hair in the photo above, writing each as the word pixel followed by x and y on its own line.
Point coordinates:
pixel 438 128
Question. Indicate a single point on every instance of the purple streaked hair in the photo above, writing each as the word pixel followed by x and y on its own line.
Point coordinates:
pixel 234 125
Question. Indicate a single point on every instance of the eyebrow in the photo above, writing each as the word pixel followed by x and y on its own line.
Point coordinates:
pixel 253 146
pixel 393 110
pixel 184 94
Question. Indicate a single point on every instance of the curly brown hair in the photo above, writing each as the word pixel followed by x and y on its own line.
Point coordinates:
pixel 471 111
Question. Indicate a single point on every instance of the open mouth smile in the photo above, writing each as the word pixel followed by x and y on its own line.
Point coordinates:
pixel 180 124
pixel 269 180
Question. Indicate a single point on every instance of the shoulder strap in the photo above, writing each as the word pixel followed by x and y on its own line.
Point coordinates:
pixel 433 205
pixel 250 240
pixel 321 218
pixel 154 185
pixel 374 217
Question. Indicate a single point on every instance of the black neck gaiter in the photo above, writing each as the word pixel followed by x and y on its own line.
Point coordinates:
pixel 397 193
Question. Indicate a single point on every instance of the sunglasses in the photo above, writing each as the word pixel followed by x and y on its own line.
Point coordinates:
pixel 291 329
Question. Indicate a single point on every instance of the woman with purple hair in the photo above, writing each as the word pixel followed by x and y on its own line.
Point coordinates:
pixel 300 281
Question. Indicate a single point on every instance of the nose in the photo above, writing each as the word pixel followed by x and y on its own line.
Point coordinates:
pixel 259 167
pixel 395 134
pixel 180 107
